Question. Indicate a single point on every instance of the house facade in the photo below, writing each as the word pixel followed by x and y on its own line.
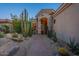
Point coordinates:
pixel 44 20
pixel 6 22
pixel 67 22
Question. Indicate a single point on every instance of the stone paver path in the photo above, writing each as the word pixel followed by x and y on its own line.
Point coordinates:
pixel 39 45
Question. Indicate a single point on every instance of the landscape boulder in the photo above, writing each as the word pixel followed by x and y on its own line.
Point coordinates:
pixel 9 49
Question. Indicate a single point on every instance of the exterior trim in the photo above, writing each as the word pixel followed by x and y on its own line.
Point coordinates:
pixel 51 12
pixel 62 8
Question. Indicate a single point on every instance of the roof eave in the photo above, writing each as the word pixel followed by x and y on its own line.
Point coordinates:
pixel 62 8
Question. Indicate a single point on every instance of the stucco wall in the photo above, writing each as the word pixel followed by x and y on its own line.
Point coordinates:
pixel 67 23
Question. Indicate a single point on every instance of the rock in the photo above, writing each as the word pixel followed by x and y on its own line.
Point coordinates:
pixel 4 41
pixel 9 36
pixel 9 49
pixel 20 38
pixel 17 39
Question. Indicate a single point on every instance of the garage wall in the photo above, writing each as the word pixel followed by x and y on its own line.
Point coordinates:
pixel 67 23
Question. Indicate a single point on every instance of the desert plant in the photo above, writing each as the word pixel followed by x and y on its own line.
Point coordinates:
pixel 71 44
pixel 25 34
pixel 16 25
pixel 1 34
pixel 50 34
pixel 54 37
pixel 30 30
pixel 74 46
pixel 6 28
pixel 55 40
pixel 63 52
pixel 76 49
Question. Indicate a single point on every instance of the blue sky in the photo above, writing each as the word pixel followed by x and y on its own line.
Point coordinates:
pixel 16 8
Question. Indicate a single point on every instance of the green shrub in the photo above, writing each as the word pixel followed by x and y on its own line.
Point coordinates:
pixel 6 28
pixel 1 34
pixel 54 37
pixel 25 34
pixel 49 34
pixel 30 34
pixel 16 25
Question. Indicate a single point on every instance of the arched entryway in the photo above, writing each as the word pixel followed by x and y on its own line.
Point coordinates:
pixel 44 27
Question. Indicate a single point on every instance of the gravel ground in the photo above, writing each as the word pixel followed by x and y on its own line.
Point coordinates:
pixel 37 45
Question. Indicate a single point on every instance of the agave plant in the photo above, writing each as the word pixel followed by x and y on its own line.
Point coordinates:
pixel 74 46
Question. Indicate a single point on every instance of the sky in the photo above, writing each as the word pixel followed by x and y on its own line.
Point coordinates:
pixel 32 8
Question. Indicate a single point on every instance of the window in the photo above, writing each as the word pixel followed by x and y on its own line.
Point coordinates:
pixel 54 21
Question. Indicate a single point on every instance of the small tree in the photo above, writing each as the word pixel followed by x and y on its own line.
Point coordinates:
pixel 16 24
pixel 6 28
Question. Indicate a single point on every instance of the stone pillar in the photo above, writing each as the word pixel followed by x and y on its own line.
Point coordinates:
pixel 39 26
pixel 50 23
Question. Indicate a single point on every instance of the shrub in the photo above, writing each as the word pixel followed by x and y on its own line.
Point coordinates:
pixel 50 34
pixel 1 34
pixel 16 25
pixel 25 34
pixel 55 40
pixel 63 51
pixel 54 37
pixel 6 28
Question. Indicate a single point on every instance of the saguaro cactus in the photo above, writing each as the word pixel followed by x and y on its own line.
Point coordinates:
pixel 24 20
pixel 30 29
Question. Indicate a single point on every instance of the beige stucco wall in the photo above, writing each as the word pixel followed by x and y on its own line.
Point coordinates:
pixel 67 23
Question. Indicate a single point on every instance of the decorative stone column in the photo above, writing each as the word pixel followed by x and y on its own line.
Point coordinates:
pixel 39 26
pixel 50 23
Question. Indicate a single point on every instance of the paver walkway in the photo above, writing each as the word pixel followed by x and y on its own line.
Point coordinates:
pixel 37 45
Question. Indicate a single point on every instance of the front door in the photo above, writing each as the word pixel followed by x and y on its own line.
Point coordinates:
pixel 44 27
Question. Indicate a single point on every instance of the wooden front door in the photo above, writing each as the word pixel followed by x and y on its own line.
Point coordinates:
pixel 44 28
